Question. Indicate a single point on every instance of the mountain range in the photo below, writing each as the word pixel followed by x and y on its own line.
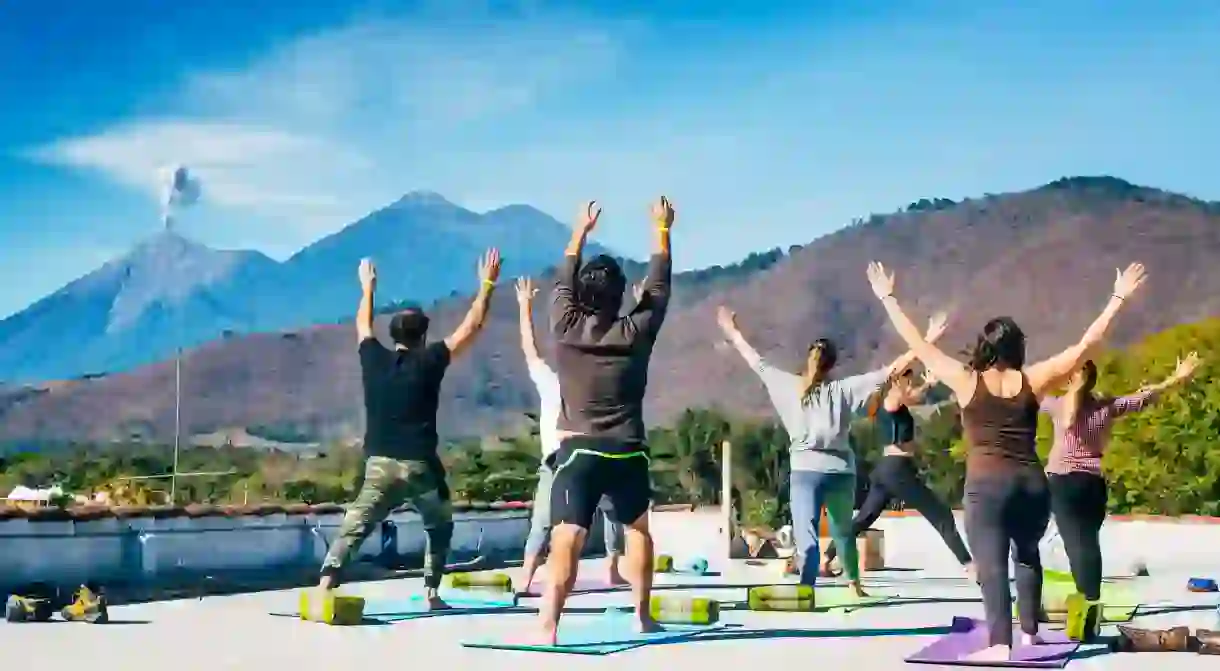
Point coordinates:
pixel 1045 256
pixel 171 292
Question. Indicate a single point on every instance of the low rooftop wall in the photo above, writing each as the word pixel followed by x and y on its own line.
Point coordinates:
pixel 143 553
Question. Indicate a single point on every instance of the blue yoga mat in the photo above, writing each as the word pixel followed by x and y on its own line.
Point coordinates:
pixel 416 606
pixel 597 635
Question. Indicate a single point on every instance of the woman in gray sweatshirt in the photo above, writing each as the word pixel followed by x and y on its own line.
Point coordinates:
pixel 817 412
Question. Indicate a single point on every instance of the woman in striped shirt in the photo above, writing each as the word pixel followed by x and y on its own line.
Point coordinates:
pixel 1082 422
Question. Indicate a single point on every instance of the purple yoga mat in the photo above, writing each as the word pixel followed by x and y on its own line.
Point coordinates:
pixel 970 636
pixel 581 587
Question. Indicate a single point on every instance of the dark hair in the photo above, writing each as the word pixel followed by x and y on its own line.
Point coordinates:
pixel 1075 401
pixel 828 354
pixel 1002 342
pixel 601 285
pixel 409 327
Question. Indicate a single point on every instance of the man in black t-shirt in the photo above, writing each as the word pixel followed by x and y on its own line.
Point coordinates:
pixel 401 394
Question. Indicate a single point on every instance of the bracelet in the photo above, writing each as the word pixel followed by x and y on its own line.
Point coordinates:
pixel 489 283
pixel 1118 297
pixel 887 296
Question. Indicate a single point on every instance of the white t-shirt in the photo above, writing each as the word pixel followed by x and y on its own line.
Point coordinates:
pixel 547 383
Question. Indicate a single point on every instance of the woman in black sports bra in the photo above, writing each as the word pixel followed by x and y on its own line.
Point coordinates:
pixel 1007 500
pixel 896 476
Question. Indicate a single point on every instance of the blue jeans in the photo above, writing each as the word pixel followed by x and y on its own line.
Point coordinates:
pixel 540 520
pixel 809 491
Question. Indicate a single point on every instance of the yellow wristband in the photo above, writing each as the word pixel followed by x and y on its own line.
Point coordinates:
pixel 489 283
pixel 662 228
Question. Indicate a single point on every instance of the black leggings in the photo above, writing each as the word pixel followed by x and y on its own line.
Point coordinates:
pixel 896 477
pixel 1079 503
pixel 1004 511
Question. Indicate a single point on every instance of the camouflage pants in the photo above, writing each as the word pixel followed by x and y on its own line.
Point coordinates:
pixel 389 483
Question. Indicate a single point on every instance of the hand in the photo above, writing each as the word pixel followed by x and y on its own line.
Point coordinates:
pixel 525 290
pixel 929 380
pixel 936 326
pixel 663 213
pixel 637 291
pixel 1127 281
pixel 588 218
pixel 726 318
pixel 367 274
pixel 1186 367
pixel 489 266
pixel 881 280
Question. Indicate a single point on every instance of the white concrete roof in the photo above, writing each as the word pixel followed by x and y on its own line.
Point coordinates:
pixel 236 632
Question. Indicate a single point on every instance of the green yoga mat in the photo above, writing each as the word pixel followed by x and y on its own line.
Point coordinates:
pixel 1118 604
pixel 844 600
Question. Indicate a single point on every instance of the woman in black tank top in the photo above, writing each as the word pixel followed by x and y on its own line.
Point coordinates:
pixel 1007 503
pixel 896 477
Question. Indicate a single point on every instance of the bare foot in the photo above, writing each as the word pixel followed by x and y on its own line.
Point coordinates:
pixel 858 589
pixel 647 625
pixel 996 653
pixel 1031 639
pixel 615 578
pixel 435 602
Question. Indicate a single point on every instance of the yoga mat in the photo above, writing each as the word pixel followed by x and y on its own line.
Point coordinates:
pixel 458 599
pixel 581 587
pixel 596 635
pixel 843 599
pixel 415 606
pixel 970 636
pixel 1118 603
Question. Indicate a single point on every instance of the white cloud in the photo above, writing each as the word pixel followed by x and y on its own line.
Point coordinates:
pixel 333 124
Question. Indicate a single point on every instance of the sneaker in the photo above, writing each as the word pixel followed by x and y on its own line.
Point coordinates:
pixel 27 609
pixel 1209 641
pixel 1133 639
pixel 87 606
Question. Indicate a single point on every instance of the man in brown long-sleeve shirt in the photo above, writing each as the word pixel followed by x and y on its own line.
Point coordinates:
pixel 602 362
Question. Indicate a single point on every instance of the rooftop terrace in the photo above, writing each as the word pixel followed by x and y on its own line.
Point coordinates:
pixel 237 632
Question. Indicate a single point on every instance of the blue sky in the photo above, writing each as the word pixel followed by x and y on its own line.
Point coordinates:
pixel 767 123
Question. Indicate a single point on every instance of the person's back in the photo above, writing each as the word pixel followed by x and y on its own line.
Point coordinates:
pixel 603 370
pixel 401 397
pixel 1001 431
pixel 602 359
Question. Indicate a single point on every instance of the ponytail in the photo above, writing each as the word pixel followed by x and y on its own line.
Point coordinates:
pixel 982 356
pixel 813 377
pixel 1075 402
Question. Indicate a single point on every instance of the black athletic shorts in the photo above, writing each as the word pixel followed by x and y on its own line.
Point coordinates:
pixel 585 471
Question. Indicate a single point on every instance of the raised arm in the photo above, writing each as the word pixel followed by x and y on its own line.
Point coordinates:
pixel 1053 372
pixel 915 396
pixel 563 299
pixel 466 332
pixel 944 367
pixel 1139 400
pixel 364 312
pixel 525 311
pixel 727 319
pixel 653 300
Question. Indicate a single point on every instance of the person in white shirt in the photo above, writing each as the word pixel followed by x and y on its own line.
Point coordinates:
pixel 547 384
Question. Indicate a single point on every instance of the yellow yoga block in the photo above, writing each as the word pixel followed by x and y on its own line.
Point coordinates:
pixel 333 609
pixel 479 580
pixel 1078 610
pixel 795 592
pixel 662 564
pixel 684 610
pixel 782 606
